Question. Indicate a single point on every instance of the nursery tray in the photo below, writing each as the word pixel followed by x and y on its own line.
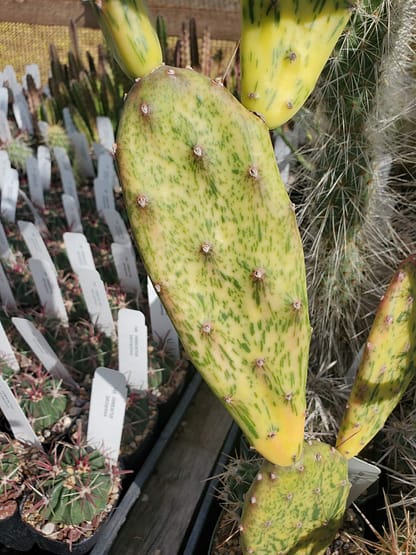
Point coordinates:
pixel 159 503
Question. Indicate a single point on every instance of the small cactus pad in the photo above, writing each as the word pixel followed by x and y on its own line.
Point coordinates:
pixel 388 364
pixel 296 510
pixel 219 239
pixel 130 35
pixel 284 46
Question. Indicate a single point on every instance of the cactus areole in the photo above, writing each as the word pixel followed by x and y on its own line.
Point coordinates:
pixel 218 236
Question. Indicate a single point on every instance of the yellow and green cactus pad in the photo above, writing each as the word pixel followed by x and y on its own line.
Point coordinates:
pixel 284 47
pixel 218 236
pixel 388 364
pixel 129 34
pixel 296 510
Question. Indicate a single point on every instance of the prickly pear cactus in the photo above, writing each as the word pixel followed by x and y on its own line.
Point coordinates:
pixel 296 510
pixel 284 46
pixel 219 239
pixel 388 364
pixel 130 35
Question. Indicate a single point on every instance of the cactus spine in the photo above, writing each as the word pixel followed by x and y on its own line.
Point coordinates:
pixel 284 46
pixel 130 34
pixel 206 206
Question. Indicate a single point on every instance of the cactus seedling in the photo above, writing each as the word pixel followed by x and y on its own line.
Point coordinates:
pixel 219 240
pixel 284 46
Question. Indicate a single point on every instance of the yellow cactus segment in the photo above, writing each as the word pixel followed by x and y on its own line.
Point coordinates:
pixel 284 47
pixel 130 34
pixel 218 236
pixel 387 366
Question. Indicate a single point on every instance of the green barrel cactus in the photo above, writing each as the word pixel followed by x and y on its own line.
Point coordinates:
pixel 284 46
pixel 73 486
pixel 219 240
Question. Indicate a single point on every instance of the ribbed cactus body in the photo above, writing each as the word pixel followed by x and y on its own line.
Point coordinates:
pixel 219 239
pixel 75 488
pixel 130 35
pixel 388 364
pixel 284 46
pixel 296 510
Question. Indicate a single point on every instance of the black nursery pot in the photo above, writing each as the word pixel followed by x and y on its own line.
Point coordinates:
pixel 58 547
pixel 15 534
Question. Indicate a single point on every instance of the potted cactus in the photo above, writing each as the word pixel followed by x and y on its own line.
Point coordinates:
pixel 218 236
pixel 72 494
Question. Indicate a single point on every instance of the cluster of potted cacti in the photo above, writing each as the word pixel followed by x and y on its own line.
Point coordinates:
pixel 69 276
pixel 218 236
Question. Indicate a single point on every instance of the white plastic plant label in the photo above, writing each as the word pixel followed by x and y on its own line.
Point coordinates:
pixel 106 169
pixel 6 254
pixel 9 78
pixel 6 294
pixel 68 123
pixel 78 251
pixel 103 194
pixel 4 100
pixel 34 242
pixel 71 211
pixel 4 165
pixel 161 323
pixel 105 132
pixel 95 297
pixel 362 475
pixel 7 356
pixel 117 227
pixel 41 348
pixel 21 428
pixel 5 133
pixel 107 409
pixel 132 348
pixel 126 268
pixel 45 166
pixel 39 222
pixel 34 182
pixel 22 113
pixel 9 194
pixel 50 295
pixel 43 127
pixel 82 154
pixel 67 175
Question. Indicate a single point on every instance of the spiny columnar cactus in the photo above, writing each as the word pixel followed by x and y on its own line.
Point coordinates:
pixel 284 46
pixel 349 210
pixel 297 509
pixel 219 239
pixel 130 34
